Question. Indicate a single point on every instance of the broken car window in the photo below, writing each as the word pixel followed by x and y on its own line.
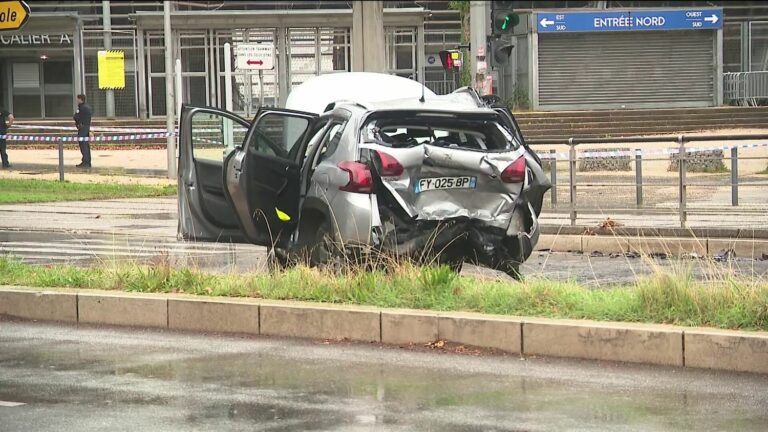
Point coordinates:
pixel 401 130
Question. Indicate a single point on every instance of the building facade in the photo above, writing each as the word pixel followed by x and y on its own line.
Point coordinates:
pixel 54 57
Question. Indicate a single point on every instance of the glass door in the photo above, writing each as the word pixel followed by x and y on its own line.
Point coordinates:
pixel 58 88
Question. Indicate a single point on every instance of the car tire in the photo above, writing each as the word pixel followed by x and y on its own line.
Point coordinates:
pixel 322 251
pixel 512 269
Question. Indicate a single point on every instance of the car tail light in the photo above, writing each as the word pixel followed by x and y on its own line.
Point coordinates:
pixel 390 167
pixel 515 172
pixel 360 178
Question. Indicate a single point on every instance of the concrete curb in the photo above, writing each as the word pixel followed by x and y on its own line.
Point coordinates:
pixel 581 339
pixel 744 248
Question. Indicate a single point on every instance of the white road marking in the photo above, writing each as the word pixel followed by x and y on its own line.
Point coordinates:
pixel 11 404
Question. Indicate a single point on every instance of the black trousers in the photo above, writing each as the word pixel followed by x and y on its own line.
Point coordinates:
pixel 85 146
pixel 3 150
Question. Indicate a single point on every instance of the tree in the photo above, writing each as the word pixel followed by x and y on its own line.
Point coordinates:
pixel 465 79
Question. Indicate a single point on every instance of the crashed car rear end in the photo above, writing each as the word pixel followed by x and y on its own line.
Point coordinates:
pixel 453 186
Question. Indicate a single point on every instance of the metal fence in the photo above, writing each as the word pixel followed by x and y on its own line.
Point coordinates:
pixel 659 197
pixel 746 88
pixel 441 87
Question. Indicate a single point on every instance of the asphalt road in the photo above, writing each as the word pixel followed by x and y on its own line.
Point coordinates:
pixel 89 379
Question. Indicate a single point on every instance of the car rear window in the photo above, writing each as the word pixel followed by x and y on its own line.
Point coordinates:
pixel 403 130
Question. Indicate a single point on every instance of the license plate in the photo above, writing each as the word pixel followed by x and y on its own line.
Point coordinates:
pixel 442 183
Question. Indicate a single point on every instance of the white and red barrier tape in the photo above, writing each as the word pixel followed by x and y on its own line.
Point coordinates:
pixel 42 138
pixel 649 152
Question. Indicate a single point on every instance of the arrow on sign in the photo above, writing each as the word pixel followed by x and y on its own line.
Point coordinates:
pixel 255 62
pixel 713 19
pixel 13 15
pixel 545 22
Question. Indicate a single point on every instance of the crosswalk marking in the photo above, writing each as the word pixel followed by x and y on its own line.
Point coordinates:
pixel 125 249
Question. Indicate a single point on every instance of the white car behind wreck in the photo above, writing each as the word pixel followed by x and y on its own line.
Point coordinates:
pixel 364 163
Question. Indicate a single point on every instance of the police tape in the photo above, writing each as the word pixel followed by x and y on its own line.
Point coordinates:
pixel 43 138
pixel 102 128
pixel 649 152
pixel 93 128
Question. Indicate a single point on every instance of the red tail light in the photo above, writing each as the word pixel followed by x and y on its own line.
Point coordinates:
pixel 390 167
pixel 515 172
pixel 360 179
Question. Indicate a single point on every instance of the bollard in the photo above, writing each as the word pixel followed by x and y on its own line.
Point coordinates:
pixel 734 176
pixel 682 198
pixel 572 175
pixel 639 177
pixel 61 160
pixel 553 177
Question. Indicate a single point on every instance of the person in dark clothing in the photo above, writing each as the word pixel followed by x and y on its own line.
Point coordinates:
pixel 83 122
pixel 6 120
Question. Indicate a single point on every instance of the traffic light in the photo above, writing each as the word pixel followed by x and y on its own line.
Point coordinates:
pixel 501 48
pixel 451 59
pixel 503 16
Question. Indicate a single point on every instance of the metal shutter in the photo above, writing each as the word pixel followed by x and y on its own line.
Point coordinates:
pixel 632 70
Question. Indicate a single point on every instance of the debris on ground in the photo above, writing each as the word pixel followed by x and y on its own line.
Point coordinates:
pixel 725 255
pixel 632 254
pixel 659 255
pixel 609 223
pixel 596 254
pixel 763 257
pixel 615 255
pixel 692 256
pixel 436 344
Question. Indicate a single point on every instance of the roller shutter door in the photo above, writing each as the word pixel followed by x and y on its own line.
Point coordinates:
pixel 627 69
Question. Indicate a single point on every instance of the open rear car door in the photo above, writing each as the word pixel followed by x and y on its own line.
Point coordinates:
pixel 207 136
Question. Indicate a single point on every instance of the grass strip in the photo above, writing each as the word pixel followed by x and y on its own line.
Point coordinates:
pixel 667 298
pixel 16 191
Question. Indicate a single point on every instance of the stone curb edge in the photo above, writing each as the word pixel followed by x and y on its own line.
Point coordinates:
pixel 591 340
pixel 744 248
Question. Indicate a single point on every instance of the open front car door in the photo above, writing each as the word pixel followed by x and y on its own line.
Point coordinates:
pixel 263 176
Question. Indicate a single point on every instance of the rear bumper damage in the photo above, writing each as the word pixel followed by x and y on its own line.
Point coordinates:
pixel 463 239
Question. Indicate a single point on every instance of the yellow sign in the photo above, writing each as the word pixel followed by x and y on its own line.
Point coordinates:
pixel 111 70
pixel 13 15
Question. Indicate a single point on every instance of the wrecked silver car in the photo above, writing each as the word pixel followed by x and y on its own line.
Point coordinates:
pixel 443 179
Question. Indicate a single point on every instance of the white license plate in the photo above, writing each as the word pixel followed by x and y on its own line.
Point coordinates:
pixel 441 183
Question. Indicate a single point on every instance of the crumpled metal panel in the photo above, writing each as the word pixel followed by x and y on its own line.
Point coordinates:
pixel 492 201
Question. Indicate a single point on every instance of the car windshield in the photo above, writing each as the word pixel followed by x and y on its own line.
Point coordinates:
pixel 403 130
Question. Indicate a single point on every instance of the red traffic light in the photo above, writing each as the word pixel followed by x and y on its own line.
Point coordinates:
pixel 451 59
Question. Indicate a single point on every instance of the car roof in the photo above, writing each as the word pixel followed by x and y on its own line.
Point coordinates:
pixel 462 101
pixel 317 93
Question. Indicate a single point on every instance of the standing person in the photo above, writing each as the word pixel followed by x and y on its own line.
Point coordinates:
pixel 5 115
pixel 83 122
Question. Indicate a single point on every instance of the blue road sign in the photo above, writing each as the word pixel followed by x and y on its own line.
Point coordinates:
pixel 680 19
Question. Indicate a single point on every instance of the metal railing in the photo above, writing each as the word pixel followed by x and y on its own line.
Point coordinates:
pixel 441 87
pixel 588 194
pixel 745 88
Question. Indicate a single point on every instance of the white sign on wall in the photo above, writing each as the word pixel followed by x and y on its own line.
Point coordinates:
pixel 256 56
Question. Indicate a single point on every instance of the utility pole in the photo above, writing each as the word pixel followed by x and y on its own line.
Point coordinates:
pixel 169 84
pixel 107 18
pixel 478 26
pixel 368 44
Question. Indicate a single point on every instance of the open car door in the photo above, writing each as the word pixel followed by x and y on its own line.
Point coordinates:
pixel 206 137
pixel 263 176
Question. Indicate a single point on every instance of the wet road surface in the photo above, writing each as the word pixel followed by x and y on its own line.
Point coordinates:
pixel 89 379
pixel 102 249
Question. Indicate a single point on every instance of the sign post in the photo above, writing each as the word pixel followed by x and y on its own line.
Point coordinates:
pixel 13 15
pixel 256 56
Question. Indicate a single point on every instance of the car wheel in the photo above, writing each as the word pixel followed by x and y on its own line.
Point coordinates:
pixel 323 250
pixel 512 269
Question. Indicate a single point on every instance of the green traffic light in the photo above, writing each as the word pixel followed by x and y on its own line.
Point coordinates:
pixel 506 22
